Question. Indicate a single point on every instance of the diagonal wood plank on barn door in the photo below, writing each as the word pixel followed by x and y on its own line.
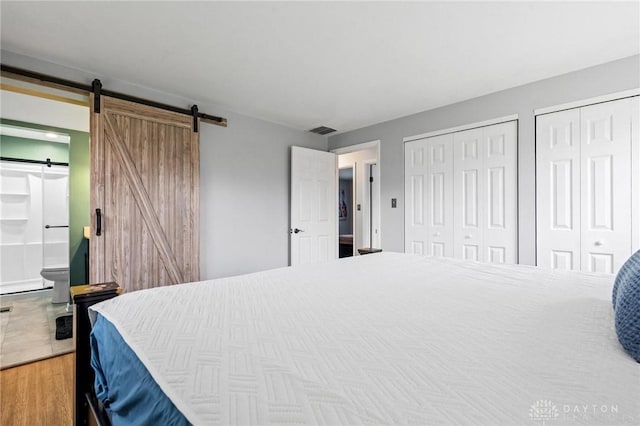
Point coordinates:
pixel 139 192
pixel 146 179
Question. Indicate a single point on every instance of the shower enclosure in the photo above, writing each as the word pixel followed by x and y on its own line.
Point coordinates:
pixel 34 222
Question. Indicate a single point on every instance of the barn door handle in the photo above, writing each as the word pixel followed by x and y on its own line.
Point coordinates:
pixel 98 222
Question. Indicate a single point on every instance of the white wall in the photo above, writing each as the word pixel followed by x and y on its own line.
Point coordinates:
pixel 607 78
pixel 32 109
pixel 245 177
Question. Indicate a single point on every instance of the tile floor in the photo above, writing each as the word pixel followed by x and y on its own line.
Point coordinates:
pixel 28 332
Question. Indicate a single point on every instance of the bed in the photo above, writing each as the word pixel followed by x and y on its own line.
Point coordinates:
pixel 380 339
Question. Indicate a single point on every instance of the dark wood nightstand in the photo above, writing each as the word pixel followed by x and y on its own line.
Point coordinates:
pixel 83 297
pixel 367 250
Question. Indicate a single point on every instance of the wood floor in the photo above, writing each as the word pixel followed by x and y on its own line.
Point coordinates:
pixel 40 393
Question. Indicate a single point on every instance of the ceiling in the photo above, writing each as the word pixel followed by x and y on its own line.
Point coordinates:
pixel 341 64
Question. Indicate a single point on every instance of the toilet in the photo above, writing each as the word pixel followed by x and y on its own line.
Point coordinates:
pixel 60 277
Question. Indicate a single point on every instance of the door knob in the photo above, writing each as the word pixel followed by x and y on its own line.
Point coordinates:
pixel 436 234
pixel 468 236
pixel 295 231
pixel 598 243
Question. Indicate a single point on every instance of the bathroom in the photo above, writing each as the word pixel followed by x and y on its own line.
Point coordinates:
pixel 44 206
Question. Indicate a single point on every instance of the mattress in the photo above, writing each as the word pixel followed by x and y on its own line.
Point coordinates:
pixel 131 394
pixel 384 339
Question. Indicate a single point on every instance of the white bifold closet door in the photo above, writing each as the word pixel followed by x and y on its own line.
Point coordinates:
pixel 461 194
pixel 587 213
pixel 485 194
pixel 429 196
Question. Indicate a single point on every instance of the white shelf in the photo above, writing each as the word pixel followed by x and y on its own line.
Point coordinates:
pixel 39 171
pixel 14 194
pixel 14 219
pixel 18 172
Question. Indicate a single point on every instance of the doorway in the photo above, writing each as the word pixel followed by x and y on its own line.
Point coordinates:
pixel 44 205
pixel 345 211
pixel 363 161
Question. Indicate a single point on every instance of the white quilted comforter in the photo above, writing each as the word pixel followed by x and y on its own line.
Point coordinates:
pixel 386 339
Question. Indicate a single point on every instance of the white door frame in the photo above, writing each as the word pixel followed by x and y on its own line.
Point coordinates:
pixel 376 163
pixel 589 101
pixel 469 126
pixel 361 147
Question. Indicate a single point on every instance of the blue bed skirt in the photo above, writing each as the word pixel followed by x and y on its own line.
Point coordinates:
pixel 123 384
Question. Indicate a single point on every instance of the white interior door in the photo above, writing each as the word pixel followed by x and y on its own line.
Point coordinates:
pixel 439 195
pixel 429 196
pixel 558 190
pixel 500 202
pixel 415 221
pixel 314 201
pixel 606 185
pixel 469 185
pixel 587 186
pixel 461 194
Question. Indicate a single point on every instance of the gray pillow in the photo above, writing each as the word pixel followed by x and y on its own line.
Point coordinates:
pixel 626 304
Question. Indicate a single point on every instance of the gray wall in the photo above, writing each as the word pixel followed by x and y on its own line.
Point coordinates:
pixel 245 194
pixel 603 79
pixel 245 175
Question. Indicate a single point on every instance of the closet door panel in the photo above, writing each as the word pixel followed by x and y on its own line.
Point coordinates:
pixel 606 185
pixel 469 185
pixel 439 195
pixel 558 190
pixel 415 170
pixel 500 201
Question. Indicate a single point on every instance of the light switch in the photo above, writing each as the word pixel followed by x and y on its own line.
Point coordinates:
pixel 394 203
pixel 358 207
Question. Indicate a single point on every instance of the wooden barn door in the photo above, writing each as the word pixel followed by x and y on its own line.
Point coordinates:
pixel 145 182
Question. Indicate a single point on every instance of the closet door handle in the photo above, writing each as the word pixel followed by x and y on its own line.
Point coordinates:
pixel 98 222
pixel 599 243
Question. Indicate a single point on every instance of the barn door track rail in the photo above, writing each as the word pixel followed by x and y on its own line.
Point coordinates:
pixel 97 90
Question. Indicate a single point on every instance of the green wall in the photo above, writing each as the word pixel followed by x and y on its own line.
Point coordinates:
pixel 31 149
pixel 77 155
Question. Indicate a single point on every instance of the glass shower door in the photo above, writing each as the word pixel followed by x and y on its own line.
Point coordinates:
pixel 55 214
pixel 20 227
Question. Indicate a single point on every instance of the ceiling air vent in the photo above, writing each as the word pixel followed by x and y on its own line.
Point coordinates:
pixel 322 130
